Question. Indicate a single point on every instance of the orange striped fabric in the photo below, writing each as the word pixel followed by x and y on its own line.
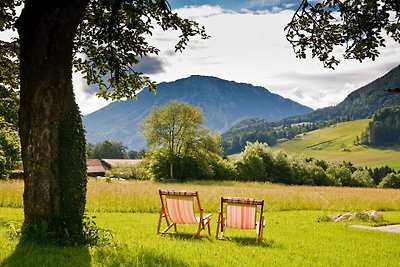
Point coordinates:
pixel 180 209
pixel 241 216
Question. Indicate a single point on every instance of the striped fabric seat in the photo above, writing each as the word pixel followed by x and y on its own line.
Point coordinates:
pixel 241 213
pixel 240 216
pixel 180 209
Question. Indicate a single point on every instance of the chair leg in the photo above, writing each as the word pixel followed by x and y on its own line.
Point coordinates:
pixel 217 233
pixel 199 229
pixel 168 227
pixel 208 226
pixel 159 221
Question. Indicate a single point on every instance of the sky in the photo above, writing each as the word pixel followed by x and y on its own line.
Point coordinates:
pixel 248 45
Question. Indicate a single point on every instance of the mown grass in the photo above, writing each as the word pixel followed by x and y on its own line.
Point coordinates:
pixel 293 235
pixel 328 143
pixel 292 238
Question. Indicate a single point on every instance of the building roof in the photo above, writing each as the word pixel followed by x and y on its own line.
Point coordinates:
pixel 120 162
pixel 95 167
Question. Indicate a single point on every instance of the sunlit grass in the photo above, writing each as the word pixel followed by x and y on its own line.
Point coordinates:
pixel 142 196
pixel 292 238
pixel 328 143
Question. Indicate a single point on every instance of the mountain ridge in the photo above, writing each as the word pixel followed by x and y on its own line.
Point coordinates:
pixel 223 102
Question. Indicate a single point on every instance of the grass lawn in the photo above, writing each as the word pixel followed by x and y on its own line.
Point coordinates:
pixel 293 235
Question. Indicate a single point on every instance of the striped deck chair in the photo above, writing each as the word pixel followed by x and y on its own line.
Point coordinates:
pixel 177 207
pixel 240 213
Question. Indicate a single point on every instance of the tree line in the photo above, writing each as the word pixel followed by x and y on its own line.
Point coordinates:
pixel 111 150
pixel 255 129
pixel 384 129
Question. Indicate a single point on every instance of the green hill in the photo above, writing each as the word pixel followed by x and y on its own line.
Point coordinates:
pixel 336 144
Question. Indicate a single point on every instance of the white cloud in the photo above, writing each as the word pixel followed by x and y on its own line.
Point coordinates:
pixel 251 47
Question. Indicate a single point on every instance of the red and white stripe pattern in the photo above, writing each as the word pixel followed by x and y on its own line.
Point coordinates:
pixel 240 200
pixel 180 209
pixel 177 193
pixel 241 213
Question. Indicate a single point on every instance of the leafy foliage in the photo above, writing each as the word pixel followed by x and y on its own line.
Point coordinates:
pixel 175 129
pixel 106 150
pixel 359 25
pixel 10 155
pixel 112 39
pixel 72 178
pixel 10 148
pixel 259 163
pixel 140 171
pixel 182 148
pixel 391 180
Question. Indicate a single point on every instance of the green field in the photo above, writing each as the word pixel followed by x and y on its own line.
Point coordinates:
pixel 336 144
pixel 293 235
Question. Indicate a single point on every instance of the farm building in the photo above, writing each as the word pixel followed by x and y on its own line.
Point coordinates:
pixel 98 167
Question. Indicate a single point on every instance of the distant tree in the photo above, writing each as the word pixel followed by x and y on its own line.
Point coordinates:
pixel 133 154
pixel 359 25
pixel 379 173
pixel 10 147
pixel 384 128
pixel 173 128
pixel 109 150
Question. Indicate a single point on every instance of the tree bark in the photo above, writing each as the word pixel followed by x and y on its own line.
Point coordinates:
pixel 50 125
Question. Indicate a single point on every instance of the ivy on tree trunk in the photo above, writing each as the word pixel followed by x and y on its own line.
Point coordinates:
pixel 51 131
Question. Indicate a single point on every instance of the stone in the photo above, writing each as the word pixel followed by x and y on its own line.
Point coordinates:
pixel 371 215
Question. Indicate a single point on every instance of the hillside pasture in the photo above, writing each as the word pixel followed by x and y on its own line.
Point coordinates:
pixel 336 144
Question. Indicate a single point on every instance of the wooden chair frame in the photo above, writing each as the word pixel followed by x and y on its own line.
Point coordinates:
pixel 203 220
pixel 260 224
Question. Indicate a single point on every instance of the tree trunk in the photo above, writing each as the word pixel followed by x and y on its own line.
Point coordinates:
pixel 51 132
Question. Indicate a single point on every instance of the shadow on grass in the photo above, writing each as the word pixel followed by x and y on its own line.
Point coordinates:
pixel 123 256
pixel 248 241
pixel 186 237
pixel 33 254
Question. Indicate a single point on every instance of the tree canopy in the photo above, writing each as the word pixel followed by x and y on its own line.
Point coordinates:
pixel 107 150
pixel 362 26
pixel 173 128
pixel 102 39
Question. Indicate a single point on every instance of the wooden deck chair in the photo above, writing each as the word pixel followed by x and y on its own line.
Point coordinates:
pixel 241 213
pixel 177 207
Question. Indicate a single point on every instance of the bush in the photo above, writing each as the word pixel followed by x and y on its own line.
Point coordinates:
pixel 185 167
pixel 251 168
pixel 223 169
pixel 391 180
pixel 320 177
pixel 361 178
pixel 140 171
pixel 337 174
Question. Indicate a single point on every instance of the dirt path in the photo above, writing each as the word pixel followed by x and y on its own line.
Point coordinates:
pixel 395 228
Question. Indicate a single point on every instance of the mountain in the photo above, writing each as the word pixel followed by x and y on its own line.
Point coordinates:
pixel 362 103
pixel 224 103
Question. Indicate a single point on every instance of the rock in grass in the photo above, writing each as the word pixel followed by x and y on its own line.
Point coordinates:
pixel 371 215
